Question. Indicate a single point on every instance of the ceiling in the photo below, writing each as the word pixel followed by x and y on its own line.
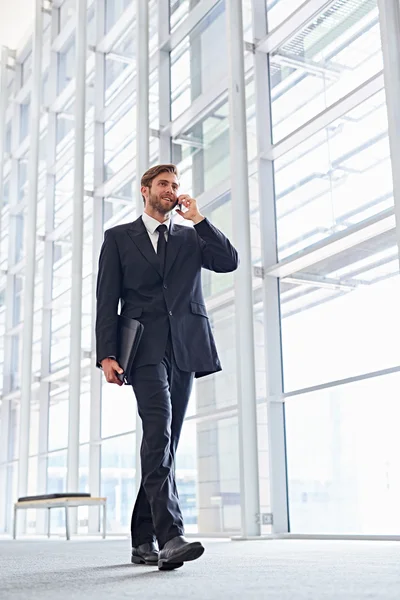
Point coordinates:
pixel 16 20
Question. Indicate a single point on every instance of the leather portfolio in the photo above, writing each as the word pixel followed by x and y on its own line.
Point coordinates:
pixel 129 335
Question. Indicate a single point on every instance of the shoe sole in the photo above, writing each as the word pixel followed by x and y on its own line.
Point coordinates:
pixel 193 552
pixel 136 560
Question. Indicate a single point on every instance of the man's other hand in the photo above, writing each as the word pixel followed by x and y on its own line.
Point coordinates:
pixel 111 368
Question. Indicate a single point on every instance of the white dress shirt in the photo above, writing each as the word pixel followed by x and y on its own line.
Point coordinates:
pixel 151 226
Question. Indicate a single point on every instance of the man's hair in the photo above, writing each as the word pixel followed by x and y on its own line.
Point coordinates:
pixel 153 172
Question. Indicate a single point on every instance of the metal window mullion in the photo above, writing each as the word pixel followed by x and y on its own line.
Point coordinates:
pixel 245 351
pixel 164 82
pixel 271 301
pixel 3 124
pixel 30 252
pixel 98 218
pixel 77 252
pixel 142 146
pixel 389 17
pixel 44 390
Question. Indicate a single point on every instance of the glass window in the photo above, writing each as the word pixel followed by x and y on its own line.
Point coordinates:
pixel 57 481
pixel 24 119
pixel 279 10
pixel 26 69
pixel 207 476
pixel 118 468
pixel 120 64
pixel 114 9
pixel 8 138
pixel 13 432
pixel 66 12
pixel 343 452
pixel 322 63
pixel 66 66
pixel 118 421
pixel 335 179
pixel 203 154
pixel 194 69
pixel 179 11
pixel 119 141
pixel 58 419
pixel 343 320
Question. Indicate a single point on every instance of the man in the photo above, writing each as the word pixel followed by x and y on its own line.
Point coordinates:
pixel 154 268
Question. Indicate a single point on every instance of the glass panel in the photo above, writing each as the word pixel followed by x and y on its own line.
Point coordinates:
pixel 114 9
pixel 119 141
pixel 26 69
pixel 66 66
pixel 179 11
pixel 118 480
pixel 344 459
pixel 279 10
pixel 337 178
pixel 66 12
pixel 121 420
pixel 24 119
pixel 194 69
pixel 58 419
pixel 334 326
pixel 202 153
pixel 13 433
pixel 34 429
pixel 217 475
pixel 322 63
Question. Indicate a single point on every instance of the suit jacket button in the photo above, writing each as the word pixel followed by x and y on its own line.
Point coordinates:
pixel 170 313
pixel 165 286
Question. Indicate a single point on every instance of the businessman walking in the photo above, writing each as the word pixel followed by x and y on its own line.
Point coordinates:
pixel 154 268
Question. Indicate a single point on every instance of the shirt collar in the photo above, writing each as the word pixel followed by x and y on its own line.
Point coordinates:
pixel 152 224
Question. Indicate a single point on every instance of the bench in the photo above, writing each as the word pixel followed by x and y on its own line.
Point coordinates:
pixel 65 501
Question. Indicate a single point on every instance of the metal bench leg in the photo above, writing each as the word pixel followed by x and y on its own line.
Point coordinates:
pixel 15 523
pixel 104 521
pixel 67 523
pixel 48 522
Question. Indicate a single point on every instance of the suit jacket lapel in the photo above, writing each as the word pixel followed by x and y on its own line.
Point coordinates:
pixel 140 237
pixel 173 247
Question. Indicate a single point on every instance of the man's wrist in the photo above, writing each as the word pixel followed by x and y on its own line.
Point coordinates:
pixel 198 219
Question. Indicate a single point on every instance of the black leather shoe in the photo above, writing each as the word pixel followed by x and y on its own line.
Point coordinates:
pixel 177 551
pixel 145 554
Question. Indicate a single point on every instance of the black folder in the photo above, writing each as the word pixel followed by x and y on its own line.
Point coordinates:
pixel 129 335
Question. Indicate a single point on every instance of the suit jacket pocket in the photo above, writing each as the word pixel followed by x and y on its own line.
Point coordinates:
pixel 133 312
pixel 198 309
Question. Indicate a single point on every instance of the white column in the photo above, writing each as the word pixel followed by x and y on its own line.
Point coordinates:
pixel 273 349
pixel 30 250
pixel 96 375
pixel 9 302
pixel 164 81
pixel 3 108
pixel 77 249
pixel 44 391
pixel 142 145
pixel 249 481
pixel 389 17
pixel 5 405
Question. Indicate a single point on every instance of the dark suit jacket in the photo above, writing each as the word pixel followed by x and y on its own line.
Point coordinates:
pixel 130 271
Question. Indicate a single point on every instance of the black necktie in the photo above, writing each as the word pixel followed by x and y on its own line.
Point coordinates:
pixel 161 245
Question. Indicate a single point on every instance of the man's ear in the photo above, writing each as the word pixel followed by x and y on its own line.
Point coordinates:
pixel 144 190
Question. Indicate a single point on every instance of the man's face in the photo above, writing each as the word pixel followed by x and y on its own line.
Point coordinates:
pixel 162 196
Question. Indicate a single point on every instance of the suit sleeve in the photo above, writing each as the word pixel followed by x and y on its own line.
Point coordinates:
pixel 218 254
pixel 108 293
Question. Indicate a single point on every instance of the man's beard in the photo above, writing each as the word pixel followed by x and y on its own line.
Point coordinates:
pixel 158 205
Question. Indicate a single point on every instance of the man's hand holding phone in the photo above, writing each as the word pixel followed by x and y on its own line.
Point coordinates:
pixel 192 211
pixel 111 368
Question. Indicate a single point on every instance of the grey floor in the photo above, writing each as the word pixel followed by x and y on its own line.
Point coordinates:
pixel 277 569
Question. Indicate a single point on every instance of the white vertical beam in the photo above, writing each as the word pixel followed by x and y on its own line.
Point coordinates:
pixel 164 82
pixel 77 251
pixel 10 300
pixel 142 146
pixel 389 17
pixel 44 390
pixel 3 109
pixel 249 480
pixel 30 251
pixel 98 216
pixel 273 348
pixel 5 405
